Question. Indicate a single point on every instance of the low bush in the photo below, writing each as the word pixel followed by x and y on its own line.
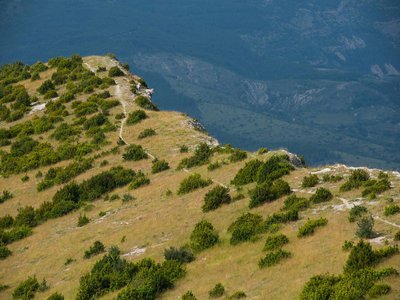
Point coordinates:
pixel 4 252
pixel 146 133
pixel 203 236
pixel 15 234
pixel 6 221
pixel 191 183
pixel 310 181
pixel 275 242
pixel 136 117
pixel 356 180
pixel 309 227
pixel 273 258
pixel 238 295
pixel 391 209
pixel 95 249
pixel 46 86
pixel 397 236
pixel 201 156
pixel 267 192
pixel 356 212
pixel 7 195
pixel 216 197
pixel 319 287
pixel 146 103
pixel 56 296
pixel 214 166
pixel 281 217
pixel 295 202
pixel 375 187
pixel 245 228
pixel 83 220
pixel 347 245
pixel 321 195
pixel 140 179
pixel 159 166
pixel 26 217
pixel 188 296
pixel 331 178
pixel 135 153
pixel 237 155
pixel 183 149
pixel 217 291
pixel 365 227
pixel 379 290
pixel 26 289
pixel 115 72
pixel 50 94
pixel 182 255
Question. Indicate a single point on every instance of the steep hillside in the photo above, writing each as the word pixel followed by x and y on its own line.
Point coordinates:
pixel 65 127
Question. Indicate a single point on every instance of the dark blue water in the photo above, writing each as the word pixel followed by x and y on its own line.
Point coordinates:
pixel 320 79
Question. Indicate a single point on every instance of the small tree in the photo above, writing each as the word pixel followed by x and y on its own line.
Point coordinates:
pixel 203 236
pixel 321 195
pixel 361 256
pixel 217 291
pixel 365 227
pixel 310 181
pixel 115 72
pixel 134 152
pixel 215 198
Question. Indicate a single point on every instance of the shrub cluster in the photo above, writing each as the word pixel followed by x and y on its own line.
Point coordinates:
pixel 309 227
pixel 356 180
pixel 258 171
pixel 134 152
pixel 28 288
pixel 96 248
pixel 159 166
pixel 268 192
pixel 216 197
pixel 217 291
pixel 4 252
pixel 6 196
pixel 391 209
pixel 115 72
pixel 188 296
pixel 191 183
pixel 273 258
pixel 281 217
pixel 136 116
pixel 310 181
pixel 146 133
pixel 275 242
pixel 331 178
pixel 139 179
pixel 245 228
pixel 321 195
pixel 144 279
pixel 374 187
pixel 203 236
pixel 15 234
pixel 237 155
pixel 201 156
pixel 182 255
pixel 356 212
pixel 296 203
pixel 146 103
pixel 83 220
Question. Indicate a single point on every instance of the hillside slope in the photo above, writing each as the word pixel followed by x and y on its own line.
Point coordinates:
pixel 144 221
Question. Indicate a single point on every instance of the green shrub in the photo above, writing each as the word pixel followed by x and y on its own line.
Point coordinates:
pixel 397 236
pixel 356 180
pixel 295 202
pixel 95 249
pixel 135 153
pixel 188 296
pixel 25 217
pixel 375 187
pixel 4 252
pixel 365 227
pixel 15 234
pixel 6 222
pixel 319 287
pixel 216 197
pixel 6 196
pixel 26 289
pixel 182 255
pixel 159 166
pixel 203 236
pixel 281 217
pixel 310 181
pixel 347 245
pixel 361 256
pixel 64 132
pixel 331 178
pixel 145 103
pixel 275 242
pixel 136 116
pixel 309 227
pixel 115 72
pixel 274 168
pixel 56 296
pixel 83 220
pixel 237 155
pixel 46 86
pixel 201 156
pixel 262 151
pixel 273 258
pixel 356 212
pixel 238 295
pixel 217 291
pixel 25 178
pixel 191 183
pixel 245 228
pixel 50 94
pixel 146 133
pixel 183 149
pixel 379 290
pixel 321 195
pixel 391 209
pixel 140 179
pixel 214 166
pixel 267 192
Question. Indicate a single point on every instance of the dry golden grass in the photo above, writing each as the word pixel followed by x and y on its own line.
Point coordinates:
pixel 154 221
